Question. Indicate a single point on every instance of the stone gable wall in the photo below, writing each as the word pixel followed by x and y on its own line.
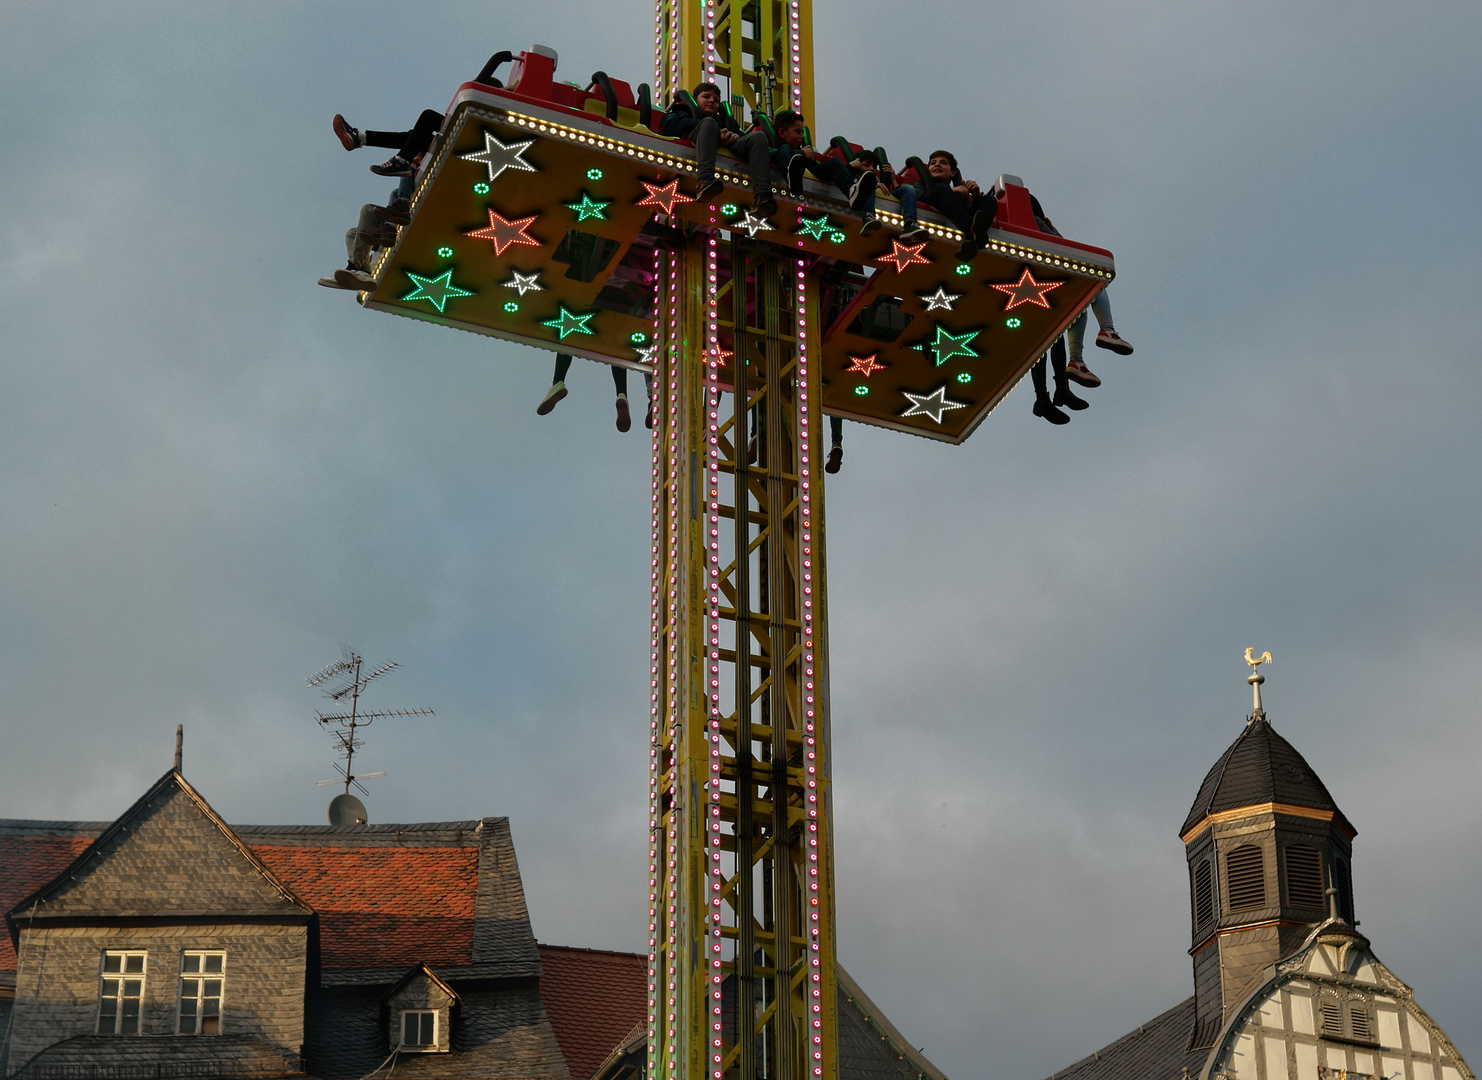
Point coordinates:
pixel 57 984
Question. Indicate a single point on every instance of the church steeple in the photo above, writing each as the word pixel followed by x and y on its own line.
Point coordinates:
pixel 1264 841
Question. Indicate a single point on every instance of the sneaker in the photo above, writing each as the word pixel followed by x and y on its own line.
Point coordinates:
pixel 863 188
pixel 351 278
pixel 334 283
pixel 398 213
pixel 396 165
pixel 982 222
pixel 1043 407
pixel 766 208
pixel 709 190
pixel 349 137
pixel 968 251
pixel 624 417
pixel 648 419
pixel 1077 371
pixel 870 227
pixel 795 166
pixel 1065 399
pixel 553 395
pixel 915 234
pixel 835 460
pixel 1110 339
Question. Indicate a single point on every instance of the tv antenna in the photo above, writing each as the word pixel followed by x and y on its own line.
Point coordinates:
pixel 347 678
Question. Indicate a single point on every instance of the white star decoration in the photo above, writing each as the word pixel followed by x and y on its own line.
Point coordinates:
pixel 524 282
pixel 648 353
pixel 750 224
pixel 934 404
pixel 941 299
pixel 497 157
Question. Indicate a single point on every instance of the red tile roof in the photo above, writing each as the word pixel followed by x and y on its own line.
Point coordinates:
pixel 594 1000
pixel 26 864
pixel 384 907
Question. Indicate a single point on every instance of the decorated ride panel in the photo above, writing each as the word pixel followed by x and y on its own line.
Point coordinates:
pixel 541 224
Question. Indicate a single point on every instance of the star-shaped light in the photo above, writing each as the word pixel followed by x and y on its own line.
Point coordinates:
pixel 948 345
pixel 941 300
pixel 934 404
pixel 751 224
pixel 524 282
pixel 570 323
pixel 814 227
pixel 497 156
pixel 589 207
pixel 1027 291
pixel 905 255
pixel 721 355
pixel 438 291
pixel 864 365
pixel 648 353
pixel 667 195
pixel 504 233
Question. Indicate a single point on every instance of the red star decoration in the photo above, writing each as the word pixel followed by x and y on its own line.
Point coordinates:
pixel 906 255
pixel 505 234
pixel 1027 291
pixel 665 195
pixel 721 355
pixel 864 365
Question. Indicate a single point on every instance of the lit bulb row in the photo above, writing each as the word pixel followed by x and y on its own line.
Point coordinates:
pixel 814 896
pixel 712 638
pixel 795 31
pixel 1031 255
pixel 710 40
pixel 600 142
pixel 668 1065
pixel 655 658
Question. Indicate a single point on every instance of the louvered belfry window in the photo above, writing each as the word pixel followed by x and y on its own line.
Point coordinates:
pixel 1245 878
pixel 1358 1019
pixel 1203 893
pixel 1332 1017
pixel 1304 878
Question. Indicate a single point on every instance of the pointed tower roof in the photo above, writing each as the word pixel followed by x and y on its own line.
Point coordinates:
pixel 1260 768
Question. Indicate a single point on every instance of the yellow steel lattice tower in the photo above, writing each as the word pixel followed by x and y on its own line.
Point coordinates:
pixel 741 912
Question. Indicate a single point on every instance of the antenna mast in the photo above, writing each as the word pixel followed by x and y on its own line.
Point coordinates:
pixel 348 681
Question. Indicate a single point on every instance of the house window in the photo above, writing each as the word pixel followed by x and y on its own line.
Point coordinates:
pixel 1245 878
pixel 418 1029
pixel 120 990
pixel 201 978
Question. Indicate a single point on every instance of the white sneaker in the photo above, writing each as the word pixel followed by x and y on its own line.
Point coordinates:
pixel 915 234
pixel 331 283
pixel 553 395
pixel 1110 339
pixel 355 279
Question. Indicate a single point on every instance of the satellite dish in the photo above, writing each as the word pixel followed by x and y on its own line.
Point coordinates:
pixel 346 809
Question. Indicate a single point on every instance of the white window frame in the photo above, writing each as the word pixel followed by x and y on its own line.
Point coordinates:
pixel 200 996
pixel 417 1048
pixel 119 998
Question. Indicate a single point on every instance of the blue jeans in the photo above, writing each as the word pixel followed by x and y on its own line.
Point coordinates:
pixel 907 196
pixel 1076 336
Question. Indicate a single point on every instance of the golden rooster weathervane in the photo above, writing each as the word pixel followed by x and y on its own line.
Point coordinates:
pixel 1256 679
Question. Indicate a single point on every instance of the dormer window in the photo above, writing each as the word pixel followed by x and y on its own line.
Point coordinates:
pixel 120 990
pixel 418 1030
pixel 202 976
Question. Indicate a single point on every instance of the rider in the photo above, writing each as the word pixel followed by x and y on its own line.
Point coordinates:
pixel 709 131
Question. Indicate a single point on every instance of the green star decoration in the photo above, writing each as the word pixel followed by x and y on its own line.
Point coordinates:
pixel 814 227
pixel 590 208
pixel 569 323
pixel 948 345
pixel 438 291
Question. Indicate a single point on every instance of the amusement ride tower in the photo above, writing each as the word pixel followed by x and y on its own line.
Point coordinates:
pixel 555 215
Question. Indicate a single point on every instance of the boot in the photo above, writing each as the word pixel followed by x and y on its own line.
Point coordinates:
pixel 1045 408
pixel 1065 398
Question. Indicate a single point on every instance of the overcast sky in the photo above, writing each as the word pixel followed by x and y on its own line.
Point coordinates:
pixel 213 471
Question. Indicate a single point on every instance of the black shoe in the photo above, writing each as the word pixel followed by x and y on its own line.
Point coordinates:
pixel 968 250
pixel 863 188
pixel 648 420
pixel 766 207
pixel 709 190
pixel 982 222
pixel 795 166
pixel 835 459
pixel 870 227
pixel 1067 400
pixel 624 417
pixel 1043 407
pixel 349 137
pixel 393 166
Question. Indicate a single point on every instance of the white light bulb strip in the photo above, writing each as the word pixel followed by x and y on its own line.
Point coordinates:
pixel 815 899
pixel 668 1065
pixel 657 619
pixel 710 53
pixel 794 33
pixel 712 640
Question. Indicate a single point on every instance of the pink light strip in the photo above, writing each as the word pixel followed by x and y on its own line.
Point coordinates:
pixel 712 619
pixel 794 26
pixel 810 731
pixel 668 1065
pixel 655 658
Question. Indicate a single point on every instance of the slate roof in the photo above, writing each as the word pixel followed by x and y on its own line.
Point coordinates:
pixel 1156 1050
pixel 446 894
pixel 594 1000
pixel 1259 767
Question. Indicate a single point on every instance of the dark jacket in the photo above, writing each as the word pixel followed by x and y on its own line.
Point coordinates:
pixel 679 124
